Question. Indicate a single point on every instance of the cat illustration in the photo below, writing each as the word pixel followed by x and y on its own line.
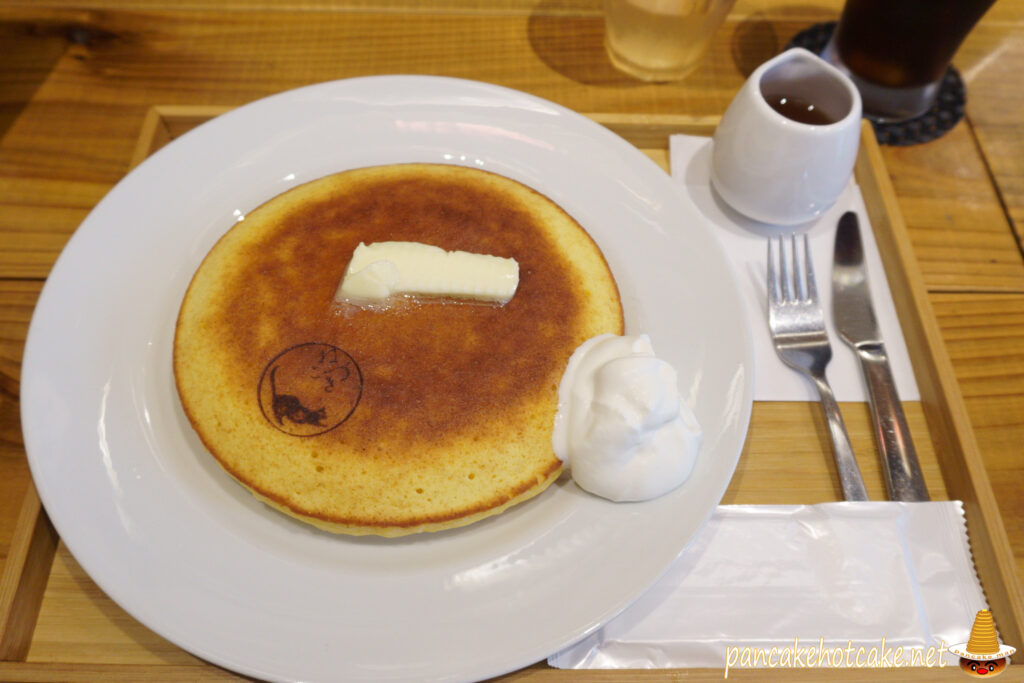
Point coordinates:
pixel 288 406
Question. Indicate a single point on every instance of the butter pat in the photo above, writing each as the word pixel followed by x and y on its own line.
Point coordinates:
pixel 382 269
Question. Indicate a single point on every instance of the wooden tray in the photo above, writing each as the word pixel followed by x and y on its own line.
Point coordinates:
pixel 56 625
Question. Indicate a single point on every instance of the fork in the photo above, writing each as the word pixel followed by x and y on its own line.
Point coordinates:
pixel 797 326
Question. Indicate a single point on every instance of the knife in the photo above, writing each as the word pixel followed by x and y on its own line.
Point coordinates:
pixel 856 323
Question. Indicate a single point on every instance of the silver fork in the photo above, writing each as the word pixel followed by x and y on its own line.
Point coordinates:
pixel 797 325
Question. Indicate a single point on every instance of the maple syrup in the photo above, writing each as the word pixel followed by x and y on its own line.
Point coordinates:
pixel 800 110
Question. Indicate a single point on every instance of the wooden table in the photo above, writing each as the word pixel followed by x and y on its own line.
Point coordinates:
pixel 78 77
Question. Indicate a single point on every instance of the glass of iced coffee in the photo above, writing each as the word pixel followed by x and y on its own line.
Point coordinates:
pixel 661 40
pixel 897 52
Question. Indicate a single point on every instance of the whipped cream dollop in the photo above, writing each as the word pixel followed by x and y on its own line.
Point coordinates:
pixel 621 426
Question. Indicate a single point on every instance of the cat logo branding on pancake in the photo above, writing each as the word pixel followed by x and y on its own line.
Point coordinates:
pixel 310 389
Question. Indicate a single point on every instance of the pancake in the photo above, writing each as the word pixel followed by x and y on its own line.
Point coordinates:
pixel 422 417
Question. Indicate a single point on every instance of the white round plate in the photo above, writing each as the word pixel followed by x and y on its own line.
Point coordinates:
pixel 185 550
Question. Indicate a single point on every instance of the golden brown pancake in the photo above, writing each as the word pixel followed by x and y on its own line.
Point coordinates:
pixel 423 417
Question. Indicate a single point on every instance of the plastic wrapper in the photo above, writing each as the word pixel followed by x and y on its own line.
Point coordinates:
pixel 834 575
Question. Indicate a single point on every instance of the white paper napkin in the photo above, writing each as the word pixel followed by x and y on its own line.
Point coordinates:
pixel 825 576
pixel 745 240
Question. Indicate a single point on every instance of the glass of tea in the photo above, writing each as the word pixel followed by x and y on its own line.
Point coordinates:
pixel 785 148
pixel 897 52
pixel 661 40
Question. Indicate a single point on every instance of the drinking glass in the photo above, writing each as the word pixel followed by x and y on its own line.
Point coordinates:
pixel 661 40
pixel 897 52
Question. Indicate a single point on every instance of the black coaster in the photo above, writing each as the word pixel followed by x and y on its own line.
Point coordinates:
pixel 934 123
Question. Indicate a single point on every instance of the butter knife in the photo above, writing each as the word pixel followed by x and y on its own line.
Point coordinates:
pixel 856 323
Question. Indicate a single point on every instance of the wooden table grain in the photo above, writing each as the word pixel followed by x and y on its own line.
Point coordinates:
pixel 77 78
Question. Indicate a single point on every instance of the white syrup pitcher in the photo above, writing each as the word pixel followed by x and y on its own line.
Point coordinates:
pixel 784 150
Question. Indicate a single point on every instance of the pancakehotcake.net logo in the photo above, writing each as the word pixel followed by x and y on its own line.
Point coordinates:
pixel 982 656
pixel 822 656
